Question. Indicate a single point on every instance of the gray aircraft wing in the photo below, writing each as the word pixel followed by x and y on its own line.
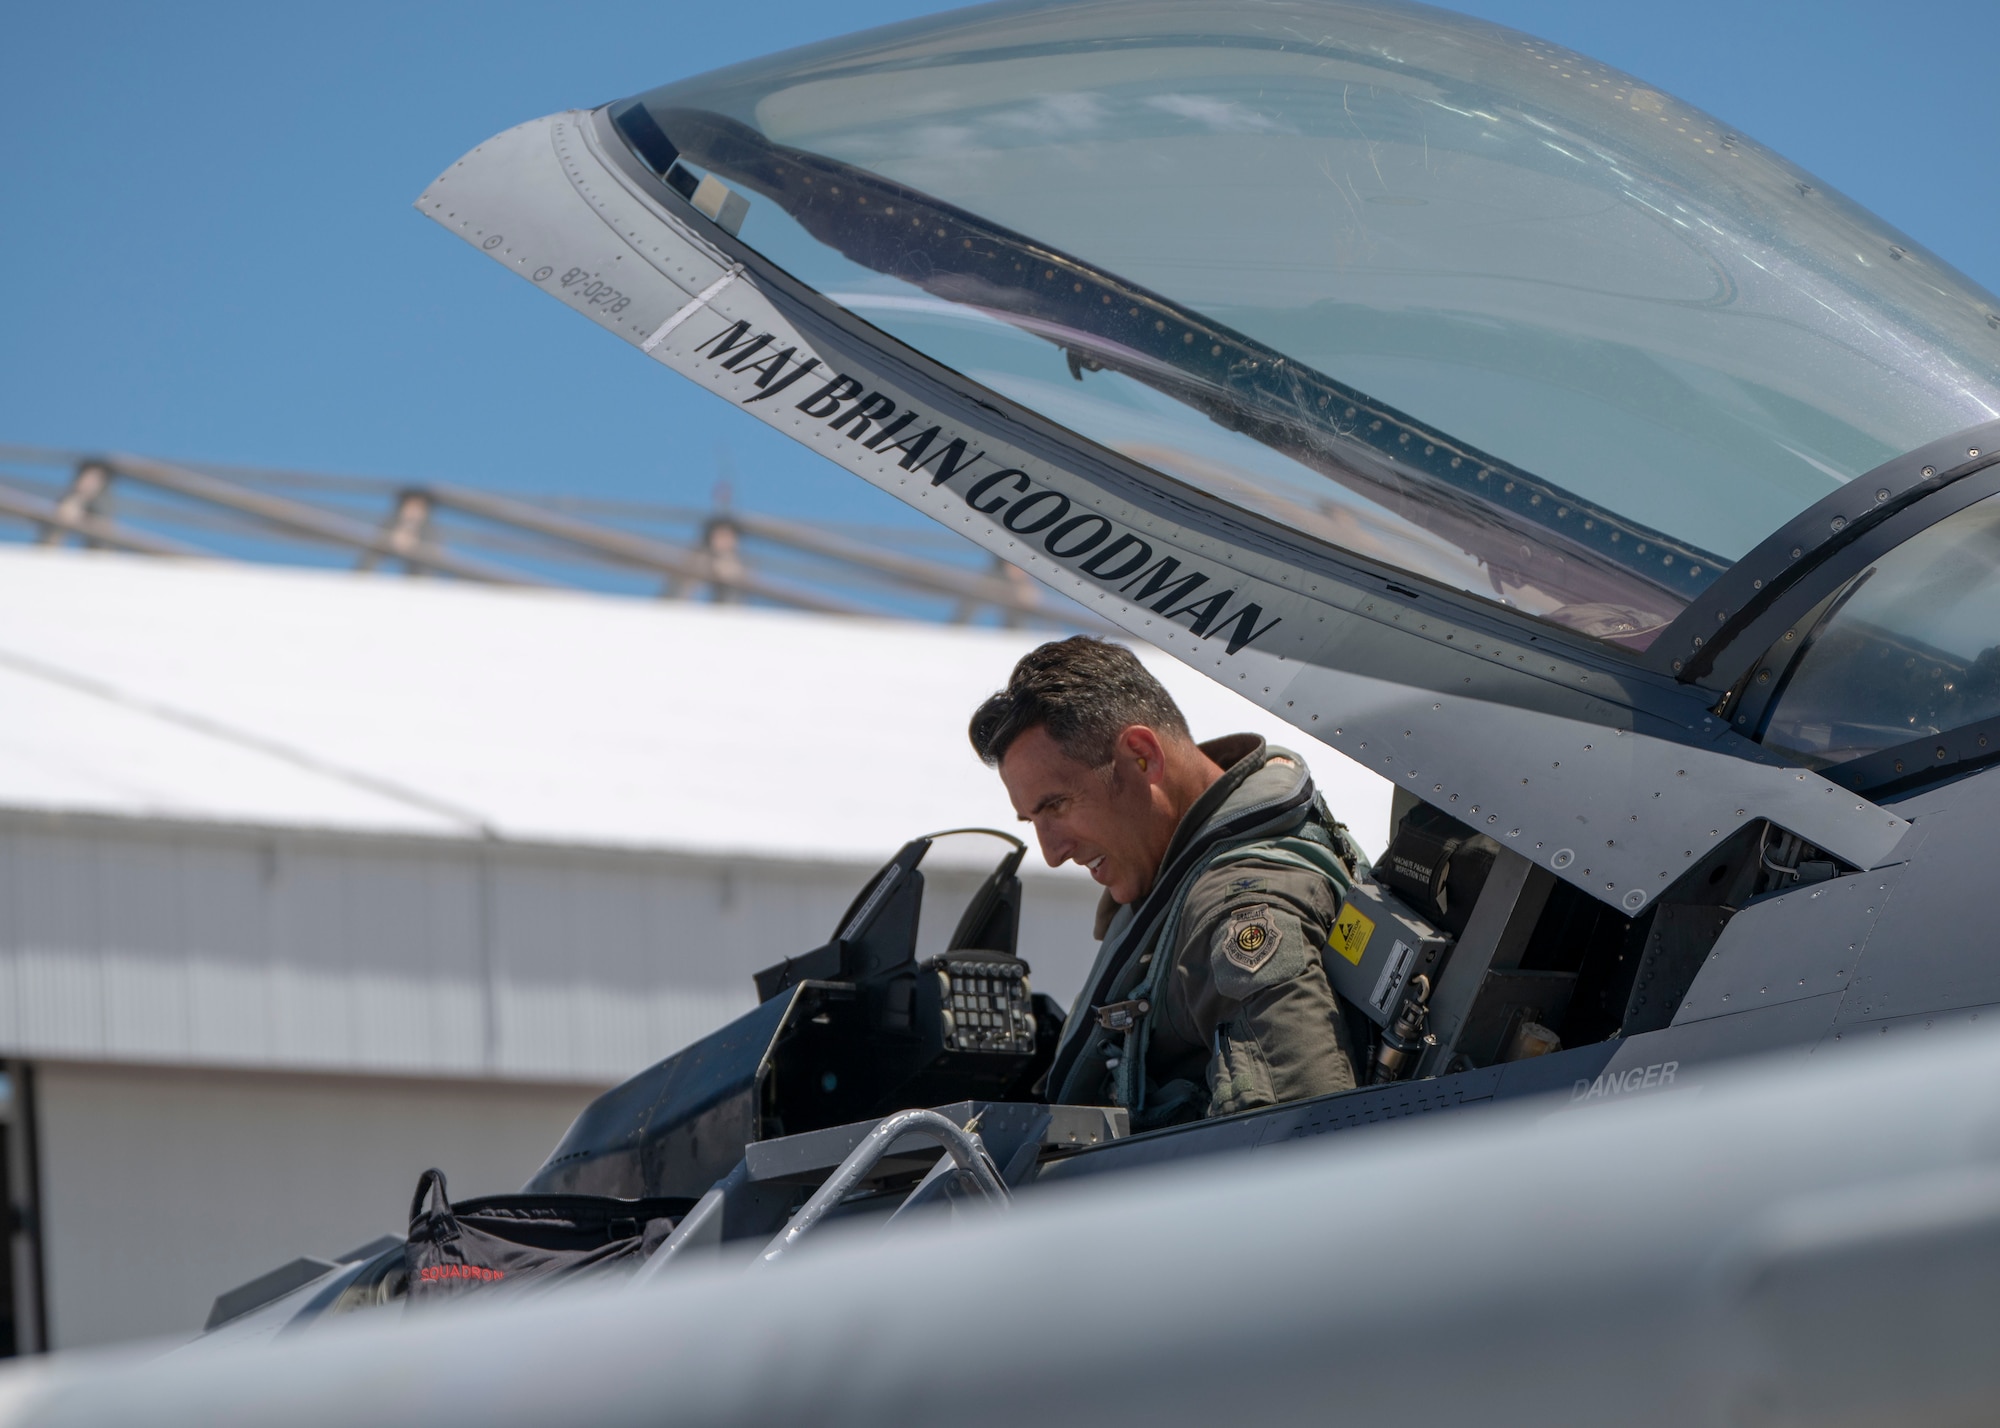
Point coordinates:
pixel 1805 1243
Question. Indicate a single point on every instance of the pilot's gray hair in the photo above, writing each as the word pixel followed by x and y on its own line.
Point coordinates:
pixel 1085 692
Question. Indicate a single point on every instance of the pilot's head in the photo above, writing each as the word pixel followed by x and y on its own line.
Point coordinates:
pixel 1097 756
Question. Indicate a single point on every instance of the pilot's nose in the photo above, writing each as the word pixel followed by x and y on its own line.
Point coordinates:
pixel 1056 847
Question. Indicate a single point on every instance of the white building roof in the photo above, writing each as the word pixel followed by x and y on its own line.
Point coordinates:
pixel 276 697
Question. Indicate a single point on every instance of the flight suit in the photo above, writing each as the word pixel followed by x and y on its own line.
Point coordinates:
pixel 1209 994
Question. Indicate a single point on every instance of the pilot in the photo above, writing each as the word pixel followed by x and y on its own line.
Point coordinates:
pixel 1222 874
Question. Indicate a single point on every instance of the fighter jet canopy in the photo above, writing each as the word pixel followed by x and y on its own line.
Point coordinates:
pixel 1449 298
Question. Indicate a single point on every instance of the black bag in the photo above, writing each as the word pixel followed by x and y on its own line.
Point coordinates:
pixel 525 1240
pixel 1437 865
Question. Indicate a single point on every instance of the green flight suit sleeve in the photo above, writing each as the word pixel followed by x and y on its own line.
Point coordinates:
pixel 1258 990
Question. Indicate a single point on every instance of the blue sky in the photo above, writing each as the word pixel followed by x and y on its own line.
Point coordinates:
pixel 209 251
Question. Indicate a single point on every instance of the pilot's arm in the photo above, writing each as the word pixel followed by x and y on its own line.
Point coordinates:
pixel 1253 990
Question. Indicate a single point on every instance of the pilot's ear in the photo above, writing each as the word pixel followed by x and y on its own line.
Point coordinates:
pixel 1143 746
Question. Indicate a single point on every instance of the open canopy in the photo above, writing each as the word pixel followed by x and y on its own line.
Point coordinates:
pixel 1430 291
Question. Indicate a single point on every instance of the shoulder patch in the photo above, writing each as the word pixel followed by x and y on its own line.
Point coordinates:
pixel 1251 937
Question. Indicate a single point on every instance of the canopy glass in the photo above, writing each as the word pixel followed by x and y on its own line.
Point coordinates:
pixel 1437 293
pixel 1911 648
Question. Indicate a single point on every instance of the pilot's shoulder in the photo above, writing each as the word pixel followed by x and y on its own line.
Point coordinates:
pixel 1245 879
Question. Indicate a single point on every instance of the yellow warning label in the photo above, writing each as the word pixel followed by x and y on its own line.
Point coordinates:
pixel 1350 933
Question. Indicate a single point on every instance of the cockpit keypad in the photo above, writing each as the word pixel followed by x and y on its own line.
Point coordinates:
pixel 986 1004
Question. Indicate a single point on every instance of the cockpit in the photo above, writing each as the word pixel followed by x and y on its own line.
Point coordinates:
pixel 1625 497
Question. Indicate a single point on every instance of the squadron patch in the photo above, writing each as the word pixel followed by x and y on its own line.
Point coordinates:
pixel 1251 938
